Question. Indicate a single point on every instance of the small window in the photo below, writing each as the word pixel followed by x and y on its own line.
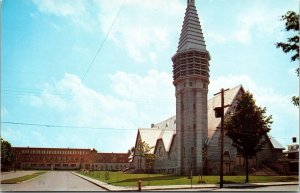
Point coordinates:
pixel 204 85
pixel 190 83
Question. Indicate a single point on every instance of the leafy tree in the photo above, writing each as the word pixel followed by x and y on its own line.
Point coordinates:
pixel 292 45
pixel 130 151
pixel 246 126
pixel 7 155
pixel 144 150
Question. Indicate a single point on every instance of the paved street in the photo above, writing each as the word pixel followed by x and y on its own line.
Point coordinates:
pixel 53 181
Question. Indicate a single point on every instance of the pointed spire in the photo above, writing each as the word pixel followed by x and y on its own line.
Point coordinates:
pixel 191 36
pixel 192 2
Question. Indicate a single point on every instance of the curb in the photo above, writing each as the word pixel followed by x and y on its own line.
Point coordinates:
pixel 79 175
pixel 32 178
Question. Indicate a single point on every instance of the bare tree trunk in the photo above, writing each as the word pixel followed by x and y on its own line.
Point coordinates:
pixel 247 170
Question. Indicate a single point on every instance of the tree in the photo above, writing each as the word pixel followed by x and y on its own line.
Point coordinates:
pixel 246 126
pixel 144 150
pixel 292 45
pixel 130 151
pixel 7 155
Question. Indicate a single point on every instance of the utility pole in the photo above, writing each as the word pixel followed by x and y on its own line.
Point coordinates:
pixel 219 112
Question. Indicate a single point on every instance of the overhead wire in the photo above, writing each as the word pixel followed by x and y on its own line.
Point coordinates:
pixel 62 126
pixel 103 41
pixel 98 128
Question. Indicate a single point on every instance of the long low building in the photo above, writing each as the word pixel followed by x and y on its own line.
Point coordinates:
pixel 68 159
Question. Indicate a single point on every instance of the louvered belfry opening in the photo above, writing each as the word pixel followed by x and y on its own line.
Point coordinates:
pixel 190 64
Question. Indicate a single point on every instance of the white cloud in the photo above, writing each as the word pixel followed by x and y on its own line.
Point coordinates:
pixel 60 8
pixel 75 10
pixel 140 28
pixel 254 20
pixel 138 100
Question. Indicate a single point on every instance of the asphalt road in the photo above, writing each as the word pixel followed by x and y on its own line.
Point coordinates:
pixel 53 181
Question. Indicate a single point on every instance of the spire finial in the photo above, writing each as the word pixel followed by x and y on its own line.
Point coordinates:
pixel 190 2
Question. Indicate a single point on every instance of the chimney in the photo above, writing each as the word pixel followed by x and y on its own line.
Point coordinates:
pixel 294 139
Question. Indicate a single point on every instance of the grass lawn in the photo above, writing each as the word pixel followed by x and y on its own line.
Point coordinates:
pixel 22 178
pixel 122 179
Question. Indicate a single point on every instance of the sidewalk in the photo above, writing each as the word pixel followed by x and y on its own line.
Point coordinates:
pixel 15 174
pixel 173 187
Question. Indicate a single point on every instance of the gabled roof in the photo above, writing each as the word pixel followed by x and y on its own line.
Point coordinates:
pixel 150 136
pixel 168 124
pixel 166 130
pixel 229 97
pixel 275 143
pixel 163 130
pixel 191 36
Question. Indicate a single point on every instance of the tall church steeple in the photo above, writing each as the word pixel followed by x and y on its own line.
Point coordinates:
pixel 191 33
pixel 191 79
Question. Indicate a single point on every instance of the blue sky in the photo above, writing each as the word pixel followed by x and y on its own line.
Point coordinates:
pixel 48 45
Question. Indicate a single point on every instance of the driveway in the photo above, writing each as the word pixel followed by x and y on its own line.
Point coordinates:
pixel 53 181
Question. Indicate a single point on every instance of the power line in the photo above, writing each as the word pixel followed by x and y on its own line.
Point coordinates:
pixel 103 41
pixel 61 126
pixel 99 128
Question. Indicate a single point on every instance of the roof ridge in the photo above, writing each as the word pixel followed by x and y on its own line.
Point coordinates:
pixel 231 89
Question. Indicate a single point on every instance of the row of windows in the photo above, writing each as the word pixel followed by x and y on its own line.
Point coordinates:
pixel 51 165
pixel 51 158
pixel 102 167
pixel 70 152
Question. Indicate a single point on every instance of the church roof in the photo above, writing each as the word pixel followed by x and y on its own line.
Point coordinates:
pixel 166 129
pixel 275 143
pixel 229 97
pixel 150 136
pixel 191 36
pixel 163 130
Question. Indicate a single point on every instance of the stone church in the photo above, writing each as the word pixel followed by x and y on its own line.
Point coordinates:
pixel 190 140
